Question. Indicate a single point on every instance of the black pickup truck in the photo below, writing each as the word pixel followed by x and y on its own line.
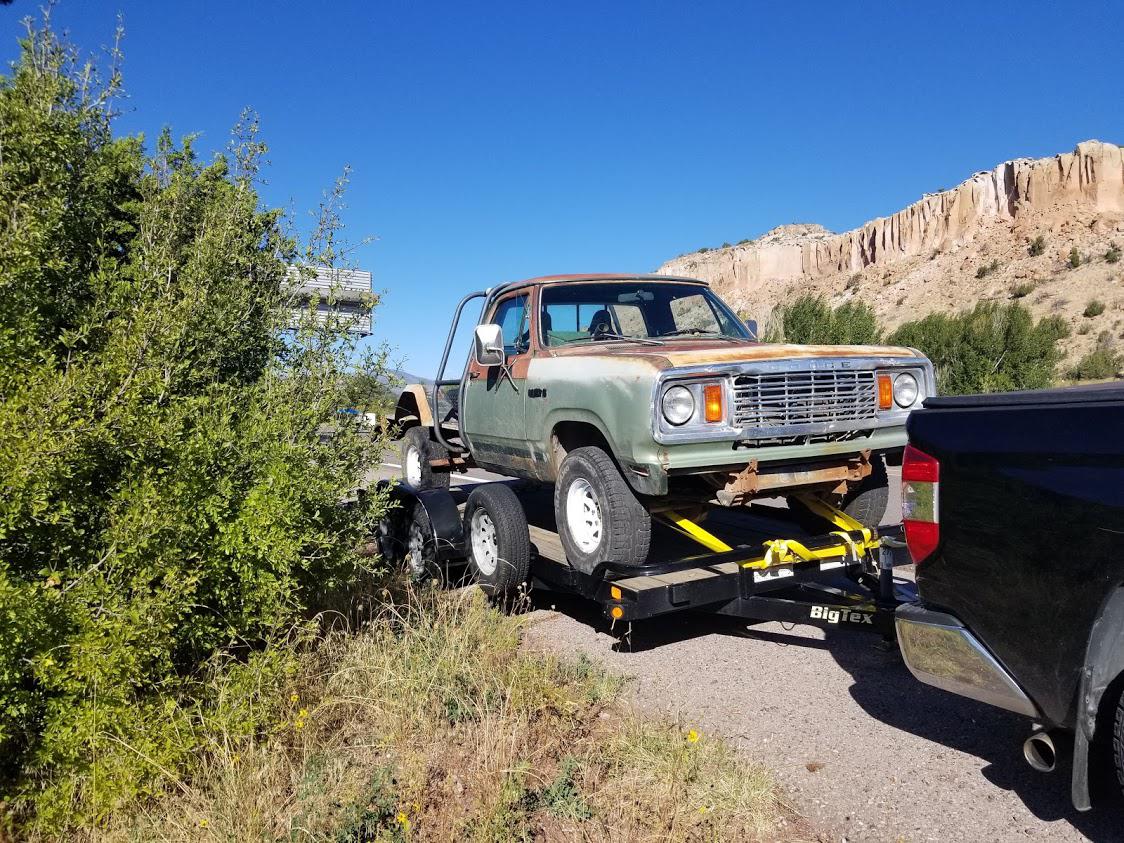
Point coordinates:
pixel 1013 509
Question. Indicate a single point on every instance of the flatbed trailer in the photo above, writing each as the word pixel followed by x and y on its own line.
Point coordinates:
pixel 756 563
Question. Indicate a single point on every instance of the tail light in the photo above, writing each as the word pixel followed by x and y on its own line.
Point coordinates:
pixel 921 476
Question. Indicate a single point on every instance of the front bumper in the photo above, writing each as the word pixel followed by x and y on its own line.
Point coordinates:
pixel 940 651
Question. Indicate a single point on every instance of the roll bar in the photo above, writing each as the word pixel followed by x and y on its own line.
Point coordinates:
pixel 440 380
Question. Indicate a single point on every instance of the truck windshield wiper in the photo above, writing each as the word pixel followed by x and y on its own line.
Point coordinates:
pixel 699 332
pixel 609 335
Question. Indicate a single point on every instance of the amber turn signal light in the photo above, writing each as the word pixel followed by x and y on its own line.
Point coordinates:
pixel 885 392
pixel 712 399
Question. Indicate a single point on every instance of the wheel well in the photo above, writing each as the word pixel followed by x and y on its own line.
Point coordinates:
pixel 569 435
pixel 406 412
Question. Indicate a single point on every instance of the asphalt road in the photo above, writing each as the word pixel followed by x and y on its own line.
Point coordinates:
pixel 862 749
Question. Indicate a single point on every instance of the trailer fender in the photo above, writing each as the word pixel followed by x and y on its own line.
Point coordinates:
pixel 1104 662
pixel 444 518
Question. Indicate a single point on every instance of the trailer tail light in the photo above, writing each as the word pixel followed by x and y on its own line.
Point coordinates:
pixel 712 393
pixel 921 475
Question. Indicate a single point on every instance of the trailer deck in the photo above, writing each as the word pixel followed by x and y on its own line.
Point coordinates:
pixel 760 564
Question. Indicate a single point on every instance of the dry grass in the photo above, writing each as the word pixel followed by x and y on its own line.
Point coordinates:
pixel 432 723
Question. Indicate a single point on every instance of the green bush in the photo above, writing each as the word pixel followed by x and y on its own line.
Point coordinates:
pixel 992 348
pixel 1113 254
pixel 1101 363
pixel 1075 259
pixel 1037 246
pixel 987 269
pixel 1093 308
pixel 167 504
pixel 811 319
pixel 1021 291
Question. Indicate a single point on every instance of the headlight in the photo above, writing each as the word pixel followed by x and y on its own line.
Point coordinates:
pixel 905 389
pixel 678 405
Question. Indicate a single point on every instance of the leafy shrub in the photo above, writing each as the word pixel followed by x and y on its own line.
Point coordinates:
pixel 811 319
pixel 167 503
pixel 725 245
pixel 1075 260
pixel 1101 363
pixel 991 348
pixel 1020 291
pixel 987 269
pixel 1113 254
pixel 1093 308
pixel 1037 246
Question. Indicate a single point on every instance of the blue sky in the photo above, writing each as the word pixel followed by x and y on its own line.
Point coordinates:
pixel 494 141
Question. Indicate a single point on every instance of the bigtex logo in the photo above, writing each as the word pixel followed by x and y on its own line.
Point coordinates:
pixel 832 614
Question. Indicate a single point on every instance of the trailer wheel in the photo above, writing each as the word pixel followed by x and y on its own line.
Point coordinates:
pixel 497 539
pixel 599 519
pixel 420 555
pixel 417 450
pixel 866 503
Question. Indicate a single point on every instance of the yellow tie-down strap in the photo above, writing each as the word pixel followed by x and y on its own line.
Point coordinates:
pixel 789 551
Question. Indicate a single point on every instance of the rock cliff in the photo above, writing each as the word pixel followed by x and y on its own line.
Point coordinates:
pixel 929 255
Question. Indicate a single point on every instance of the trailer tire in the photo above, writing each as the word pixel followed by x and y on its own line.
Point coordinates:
pixel 417 450
pixel 599 519
pixel 867 502
pixel 420 556
pixel 496 539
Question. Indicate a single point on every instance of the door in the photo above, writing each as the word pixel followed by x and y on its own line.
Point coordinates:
pixel 494 412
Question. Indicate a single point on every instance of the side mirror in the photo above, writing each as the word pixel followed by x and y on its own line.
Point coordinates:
pixel 752 325
pixel 489 345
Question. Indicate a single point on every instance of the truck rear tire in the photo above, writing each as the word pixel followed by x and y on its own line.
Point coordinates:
pixel 866 503
pixel 599 519
pixel 1118 751
pixel 497 539
pixel 417 450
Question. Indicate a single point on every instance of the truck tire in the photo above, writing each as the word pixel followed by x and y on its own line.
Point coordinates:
pixel 866 503
pixel 496 539
pixel 417 450
pixel 1118 751
pixel 599 519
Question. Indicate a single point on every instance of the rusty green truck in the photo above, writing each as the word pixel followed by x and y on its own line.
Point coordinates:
pixel 636 393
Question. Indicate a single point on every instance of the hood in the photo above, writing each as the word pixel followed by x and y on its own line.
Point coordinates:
pixel 701 352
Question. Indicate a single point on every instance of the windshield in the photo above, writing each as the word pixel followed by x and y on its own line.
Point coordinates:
pixel 634 310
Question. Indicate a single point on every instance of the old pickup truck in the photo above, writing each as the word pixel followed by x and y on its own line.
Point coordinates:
pixel 1014 515
pixel 632 393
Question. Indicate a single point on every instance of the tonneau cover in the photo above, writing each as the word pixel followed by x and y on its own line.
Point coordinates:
pixel 1099 393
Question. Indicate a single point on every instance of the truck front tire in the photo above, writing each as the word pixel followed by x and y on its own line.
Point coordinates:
pixel 417 450
pixel 497 539
pixel 599 519
pixel 866 503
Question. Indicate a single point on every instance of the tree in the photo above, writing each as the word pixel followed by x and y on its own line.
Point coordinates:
pixel 811 319
pixel 167 505
pixel 991 348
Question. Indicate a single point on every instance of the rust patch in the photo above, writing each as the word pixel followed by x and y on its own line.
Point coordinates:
pixel 754 482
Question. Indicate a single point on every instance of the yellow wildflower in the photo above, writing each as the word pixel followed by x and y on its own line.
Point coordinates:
pixel 203 823
pixel 294 697
pixel 403 820
pixel 692 736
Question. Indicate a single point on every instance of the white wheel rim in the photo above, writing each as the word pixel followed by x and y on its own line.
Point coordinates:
pixel 484 549
pixel 583 516
pixel 415 553
pixel 413 466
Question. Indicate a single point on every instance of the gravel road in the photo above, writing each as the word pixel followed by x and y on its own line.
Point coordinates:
pixel 862 749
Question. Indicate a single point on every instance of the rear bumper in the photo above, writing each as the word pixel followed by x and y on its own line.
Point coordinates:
pixel 939 650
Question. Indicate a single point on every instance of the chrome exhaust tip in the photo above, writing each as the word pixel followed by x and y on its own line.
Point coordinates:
pixel 1040 752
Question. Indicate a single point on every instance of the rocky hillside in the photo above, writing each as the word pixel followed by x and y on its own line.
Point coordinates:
pixel 979 240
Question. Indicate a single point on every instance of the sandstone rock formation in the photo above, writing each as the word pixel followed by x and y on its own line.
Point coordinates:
pixel 928 255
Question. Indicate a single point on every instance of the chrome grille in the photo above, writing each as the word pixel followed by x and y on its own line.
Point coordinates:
pixel 786 399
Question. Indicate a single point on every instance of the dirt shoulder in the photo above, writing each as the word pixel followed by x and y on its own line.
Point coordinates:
pixel 864 750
